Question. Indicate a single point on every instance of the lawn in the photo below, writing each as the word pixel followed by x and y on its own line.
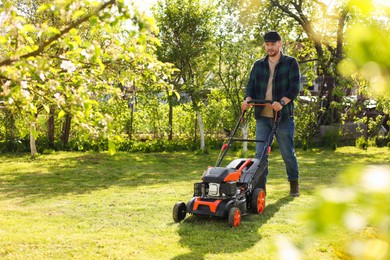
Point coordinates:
pixel 70 205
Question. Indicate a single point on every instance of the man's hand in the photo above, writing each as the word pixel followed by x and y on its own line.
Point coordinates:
pixel 245 105
pixel 276 106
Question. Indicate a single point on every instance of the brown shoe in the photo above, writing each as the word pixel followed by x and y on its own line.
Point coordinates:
pixel 294 188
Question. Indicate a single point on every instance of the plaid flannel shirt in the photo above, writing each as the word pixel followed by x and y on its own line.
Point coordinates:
pixel 286 82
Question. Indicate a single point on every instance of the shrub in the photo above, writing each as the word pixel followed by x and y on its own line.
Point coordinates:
pixel 362 143
pixel 307 128
pixel 331 139
pixel 382 141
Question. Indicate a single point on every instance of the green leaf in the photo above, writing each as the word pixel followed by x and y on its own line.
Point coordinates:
pixel 28 28
pixel 61 114
pixel 3 40
pixel 177 94
pixel 78 39
pixel 111 147
pixel 78 14
pixel 53 30
pixel 46 107
pixel 30 41
pixel 87 108
pixel 44 7
pixel 93 20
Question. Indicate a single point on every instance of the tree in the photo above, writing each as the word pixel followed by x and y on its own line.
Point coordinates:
pixel 32 70
pixel 367 61
pixel 65 66
pixel 367 54
pixel 186 31
pixel 236 54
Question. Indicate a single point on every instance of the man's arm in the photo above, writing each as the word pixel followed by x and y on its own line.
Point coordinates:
pixel 294 82
pixel 294 87
pixel 250 90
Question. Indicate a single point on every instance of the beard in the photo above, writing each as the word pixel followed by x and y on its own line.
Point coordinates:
pixel 272 53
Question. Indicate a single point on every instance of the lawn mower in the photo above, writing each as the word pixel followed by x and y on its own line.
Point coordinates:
pixel 232 191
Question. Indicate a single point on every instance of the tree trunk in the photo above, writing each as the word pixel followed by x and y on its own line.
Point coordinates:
pixel 201 131
pixel 50 128
pixel 130 124
pixel 195 130
pixel 33 147
pixel 244 130
pixel 66 129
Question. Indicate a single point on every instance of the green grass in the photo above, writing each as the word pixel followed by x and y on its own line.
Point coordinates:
pixel 93 205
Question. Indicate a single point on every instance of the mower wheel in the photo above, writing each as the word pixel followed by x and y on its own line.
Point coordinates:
pixel 179 211
pixel 234 217
pixel 258 201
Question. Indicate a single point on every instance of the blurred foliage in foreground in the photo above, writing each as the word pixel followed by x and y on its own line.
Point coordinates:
pixel 357 205
pixel 368 54
pixel 360 205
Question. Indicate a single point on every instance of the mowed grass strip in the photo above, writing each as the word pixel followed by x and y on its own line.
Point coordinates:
pixel 92 205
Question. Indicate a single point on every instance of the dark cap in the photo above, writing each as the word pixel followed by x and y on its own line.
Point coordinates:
pixel 272 36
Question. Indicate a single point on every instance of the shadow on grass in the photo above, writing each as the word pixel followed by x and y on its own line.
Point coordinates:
pixel 79 173
pixel 321 168
pixel 203 235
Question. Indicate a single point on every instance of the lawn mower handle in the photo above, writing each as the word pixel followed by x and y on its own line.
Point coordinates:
pixel 259 101
pixel 255 102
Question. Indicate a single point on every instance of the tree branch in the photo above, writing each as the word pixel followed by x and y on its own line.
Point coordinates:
pixel 305 61
pixel 54 38
pixel 288 12
pixel 303 21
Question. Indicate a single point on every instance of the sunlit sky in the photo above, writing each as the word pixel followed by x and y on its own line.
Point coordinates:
pixel 145 5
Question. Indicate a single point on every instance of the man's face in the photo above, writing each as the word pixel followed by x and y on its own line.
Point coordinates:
pixel 273 48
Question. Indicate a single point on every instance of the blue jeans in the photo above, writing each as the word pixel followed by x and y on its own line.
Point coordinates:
pixel 285 138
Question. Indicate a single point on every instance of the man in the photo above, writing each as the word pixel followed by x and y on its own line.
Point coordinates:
pixel 276 77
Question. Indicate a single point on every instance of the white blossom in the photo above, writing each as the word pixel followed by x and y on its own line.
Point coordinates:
pixel 85 54
pixel 23 84
pixel 68 66
pixel 25 93
pixel 42 76
pixel 6 88
pixel 150 66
